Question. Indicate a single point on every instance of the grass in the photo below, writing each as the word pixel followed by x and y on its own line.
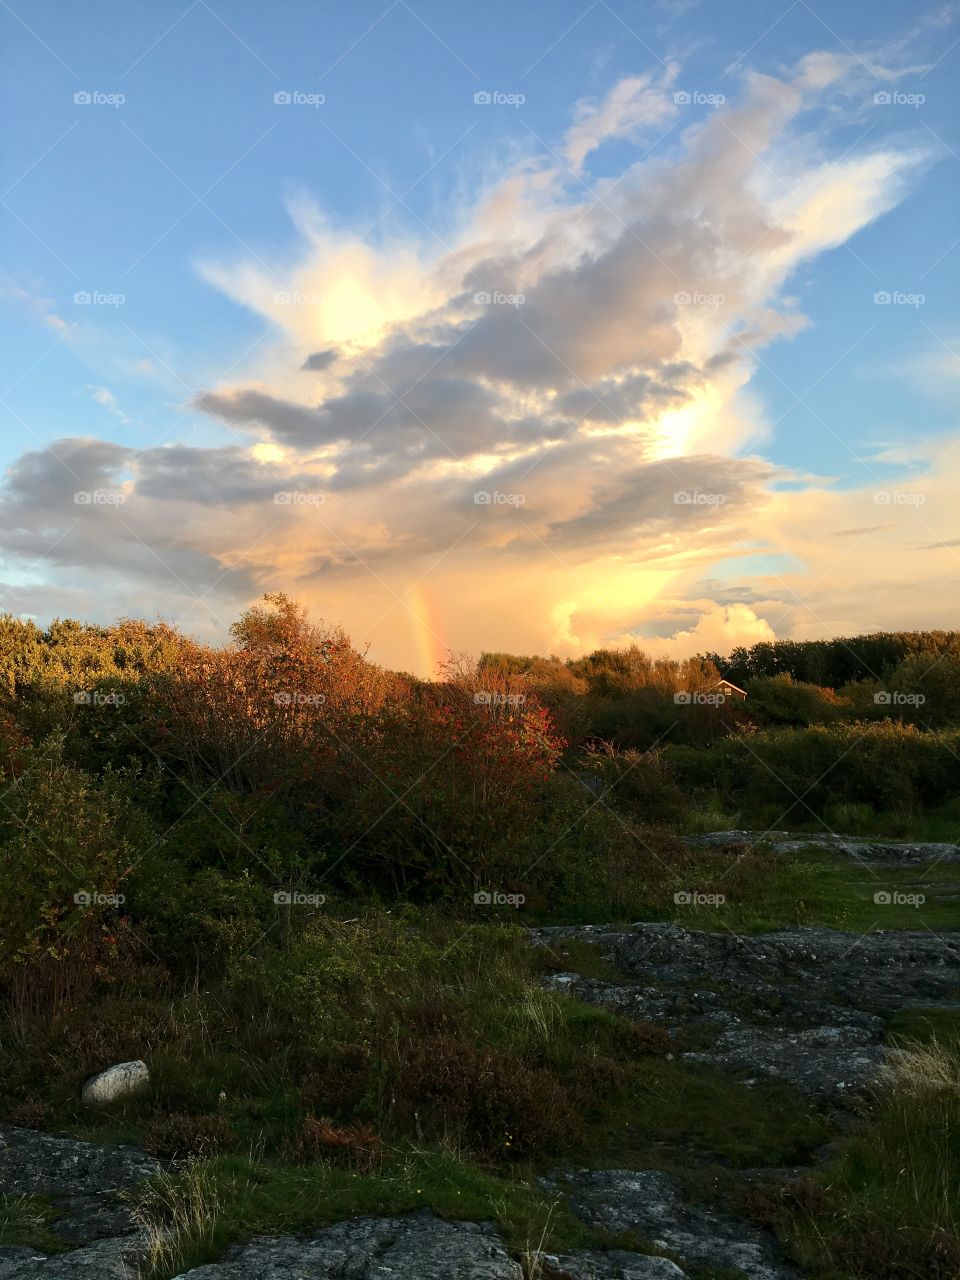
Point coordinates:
pixel 760 891
pixel 189 1218
pixel 909 1027
pixel 680 1116
pixel 214 1203
pixel 940 824
pixel 25 1221
pixel 892 1210
pixel 329 1024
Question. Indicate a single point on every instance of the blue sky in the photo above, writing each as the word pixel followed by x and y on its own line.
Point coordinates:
pixel 185 174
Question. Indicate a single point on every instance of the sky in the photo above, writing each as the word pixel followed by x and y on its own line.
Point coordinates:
pixel 533 327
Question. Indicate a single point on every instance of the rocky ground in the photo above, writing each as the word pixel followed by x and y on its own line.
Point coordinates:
pixel 805 1005
pixel 801 1004
pixel 886 852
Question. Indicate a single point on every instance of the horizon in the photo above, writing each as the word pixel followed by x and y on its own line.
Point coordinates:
pixel 634 327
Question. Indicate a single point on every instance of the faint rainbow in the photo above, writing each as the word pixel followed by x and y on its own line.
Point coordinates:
pixel 427 625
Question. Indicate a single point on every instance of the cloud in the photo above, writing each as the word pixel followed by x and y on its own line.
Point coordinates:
pixel 633 105
pixel 719 630
pixel 104 396
pixel 317 361
pixel 540 427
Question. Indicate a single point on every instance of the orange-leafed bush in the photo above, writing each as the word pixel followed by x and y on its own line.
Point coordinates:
pixel 273 710
pixel 321 1138
pixel 445 779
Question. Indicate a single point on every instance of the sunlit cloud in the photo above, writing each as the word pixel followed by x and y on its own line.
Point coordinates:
pixel 537 434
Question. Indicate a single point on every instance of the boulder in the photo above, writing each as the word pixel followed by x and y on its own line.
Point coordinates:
pixel 122 1080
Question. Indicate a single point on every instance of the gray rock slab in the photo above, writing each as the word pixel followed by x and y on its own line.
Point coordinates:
pixel 418 1247
pixel 83 1182
pixel 789 969
pixel 649 1201
pixel 889 852
pixel 103 1260
pixel 830 1064
pixel 34 1163
pixel 615 1265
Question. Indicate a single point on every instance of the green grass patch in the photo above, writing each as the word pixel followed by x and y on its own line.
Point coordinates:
pixel 907 1027
pixel 677 1115
pixel 755 891
pixel 25 1221
pixel 892 1205
pixel 218 1202
pixel 576 955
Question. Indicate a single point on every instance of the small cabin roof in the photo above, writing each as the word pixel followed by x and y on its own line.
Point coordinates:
pixel 728 684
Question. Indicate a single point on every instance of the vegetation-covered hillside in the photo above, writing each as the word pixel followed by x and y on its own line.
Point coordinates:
pixel 294 883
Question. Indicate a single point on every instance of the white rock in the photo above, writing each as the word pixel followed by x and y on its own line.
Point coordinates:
pixel 120 1081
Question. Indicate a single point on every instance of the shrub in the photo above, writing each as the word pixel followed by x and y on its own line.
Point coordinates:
pixel 271 711
pixel 890 766
pixel 638 782
pixel 781 700
pixel 178 1135
pixel 643 1039
pixel 340 1080
pixel 29 1114
pixel 358 1144
pixel 67 841
pixel 488 1099
pixel 447 781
